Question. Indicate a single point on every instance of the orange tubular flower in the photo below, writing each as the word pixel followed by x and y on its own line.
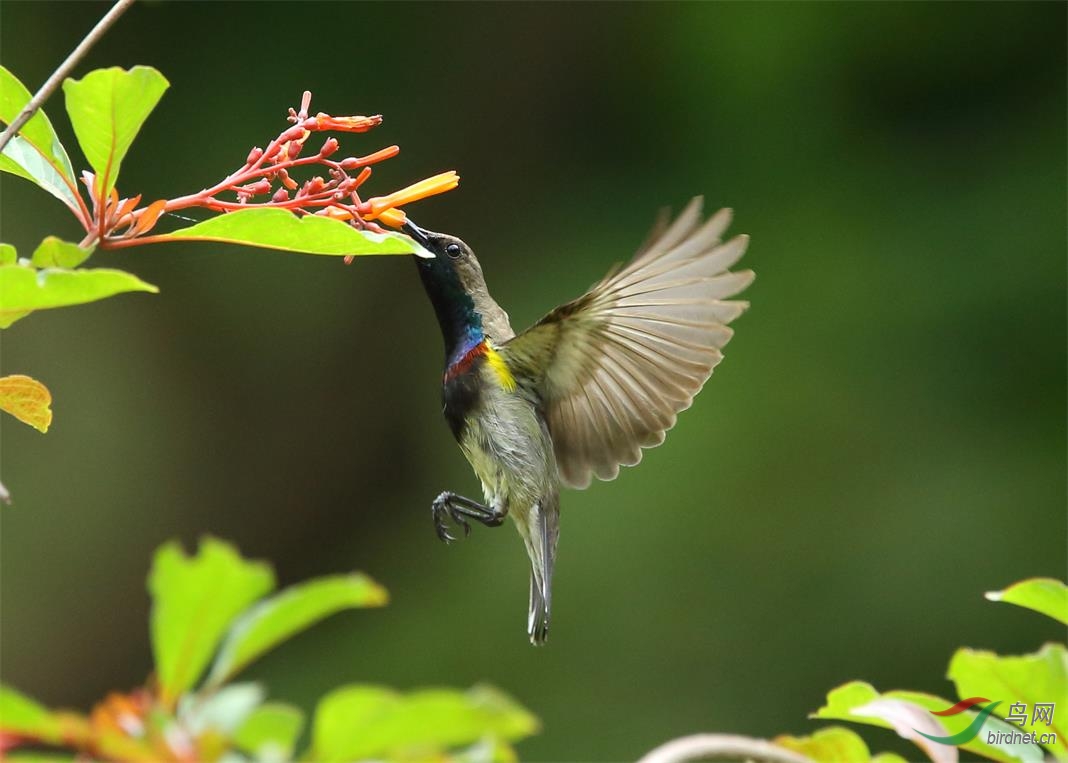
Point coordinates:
pixel 323 121
pixel 380 205
pixel 394 218
pixel 335 213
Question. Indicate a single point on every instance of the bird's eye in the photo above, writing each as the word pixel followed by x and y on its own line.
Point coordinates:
pixel 453 250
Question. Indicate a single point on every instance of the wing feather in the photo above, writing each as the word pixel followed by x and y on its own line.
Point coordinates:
pixel 614 367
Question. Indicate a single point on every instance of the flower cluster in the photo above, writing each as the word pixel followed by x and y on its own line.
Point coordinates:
pixel 265 181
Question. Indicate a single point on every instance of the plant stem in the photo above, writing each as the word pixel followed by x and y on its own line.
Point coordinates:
pixel 721 747
pixel 64 69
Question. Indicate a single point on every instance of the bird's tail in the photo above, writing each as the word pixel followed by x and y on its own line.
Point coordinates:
pixel 542 532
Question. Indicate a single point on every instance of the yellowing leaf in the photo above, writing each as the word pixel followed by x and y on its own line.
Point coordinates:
pixel 27 400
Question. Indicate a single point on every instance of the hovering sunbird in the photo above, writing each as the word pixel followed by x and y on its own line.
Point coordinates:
pixel 584 389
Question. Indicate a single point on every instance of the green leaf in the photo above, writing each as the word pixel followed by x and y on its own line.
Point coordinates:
pixel 27 400
pixel 281 229
pixel 1040 677
pixel 8 255
pixel 107 108
pixel 1046 595
pixel 21 716
pixel 358 722
pixel 282 616
pixel 843 701
pixel 194 600
pixel 22 159
pixel 833 744
pixel 24 289
pixel 39 757
pixel 271 732
pixel 223 711
pixel 35 153
pixel 55 253
pixel 487 750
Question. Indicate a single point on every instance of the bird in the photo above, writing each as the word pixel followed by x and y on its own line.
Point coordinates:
pixel 585 389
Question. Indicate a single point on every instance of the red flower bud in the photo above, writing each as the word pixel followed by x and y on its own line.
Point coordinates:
pixel 280 195
pixel 296 132
pixel 293 149
pixel 287 181
pixel 260 186
pixel 254 156
pixel 329 147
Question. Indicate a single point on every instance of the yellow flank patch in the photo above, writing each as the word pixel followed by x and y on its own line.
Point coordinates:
pixel 500 368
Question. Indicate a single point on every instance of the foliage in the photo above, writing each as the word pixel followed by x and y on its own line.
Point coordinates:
pixel 1015 688
pixel 218 604
pixel 996 681
pixel 107 108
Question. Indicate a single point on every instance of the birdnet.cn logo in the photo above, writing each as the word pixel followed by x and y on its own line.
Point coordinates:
pixel 1041 713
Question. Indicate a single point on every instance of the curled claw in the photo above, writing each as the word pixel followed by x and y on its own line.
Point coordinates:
pixel 443 511
pixel 449 507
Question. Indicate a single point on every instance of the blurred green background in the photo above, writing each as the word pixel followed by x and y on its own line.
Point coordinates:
pixel 884 442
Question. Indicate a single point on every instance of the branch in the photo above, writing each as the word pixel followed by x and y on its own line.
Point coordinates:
pixel 721 747
pixel 64 69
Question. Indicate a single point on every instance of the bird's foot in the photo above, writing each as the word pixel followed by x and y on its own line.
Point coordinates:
pixel 450 507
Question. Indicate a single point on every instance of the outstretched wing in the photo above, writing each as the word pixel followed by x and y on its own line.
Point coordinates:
pixel 616 365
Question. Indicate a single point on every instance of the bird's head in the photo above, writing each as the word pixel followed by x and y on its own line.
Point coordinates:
pixel 445 258
pixel 454 282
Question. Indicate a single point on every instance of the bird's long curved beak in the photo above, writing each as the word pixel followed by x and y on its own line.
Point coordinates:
pixel 421 237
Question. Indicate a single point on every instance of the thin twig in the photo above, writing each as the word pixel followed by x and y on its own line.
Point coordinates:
pixel 721 747
pixel 64 69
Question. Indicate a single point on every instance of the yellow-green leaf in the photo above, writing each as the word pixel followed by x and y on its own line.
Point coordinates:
pixel 194 601
pixel 1046 595
pixel 368 722
pixel 271 732
pixel 27 400
pixel 280 229
pixel 843 701
pixel 1027 679
pixel 8 255
pixel 285 614
pixel 833 744
pixel 35 153
pixel 21 716
pixel 56 253
pixel 107 108
pixel 25 289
